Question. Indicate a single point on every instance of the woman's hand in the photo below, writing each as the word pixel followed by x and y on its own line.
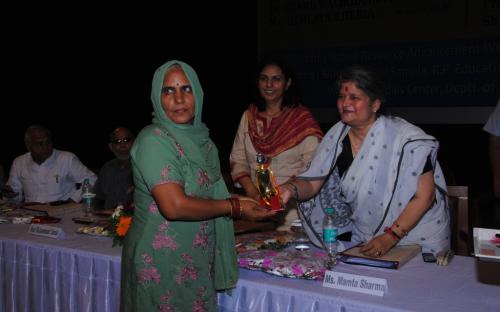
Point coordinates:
pixel 251 210
pixel 378 246
pixel 286 192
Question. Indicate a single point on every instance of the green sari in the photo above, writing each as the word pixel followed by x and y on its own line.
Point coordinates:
pixel 176 265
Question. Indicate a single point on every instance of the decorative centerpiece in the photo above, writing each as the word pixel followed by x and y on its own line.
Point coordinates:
pixel 121 219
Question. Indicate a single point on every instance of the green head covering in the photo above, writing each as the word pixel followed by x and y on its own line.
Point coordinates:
pixel 159 114
pixel 194 137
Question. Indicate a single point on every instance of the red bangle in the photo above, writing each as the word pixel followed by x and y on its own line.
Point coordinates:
pixel 389 231
pixel 236 211
pixel 403 232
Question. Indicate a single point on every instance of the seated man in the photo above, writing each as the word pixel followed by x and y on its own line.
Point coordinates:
pixel 115 184
pixel 45 174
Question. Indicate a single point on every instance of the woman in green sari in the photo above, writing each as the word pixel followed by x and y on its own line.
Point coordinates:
pixel 180 248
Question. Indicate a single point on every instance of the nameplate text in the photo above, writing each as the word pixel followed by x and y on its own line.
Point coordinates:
pixel 357 283
pixel 46 230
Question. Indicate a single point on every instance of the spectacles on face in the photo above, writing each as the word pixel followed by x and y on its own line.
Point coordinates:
pixel 120 141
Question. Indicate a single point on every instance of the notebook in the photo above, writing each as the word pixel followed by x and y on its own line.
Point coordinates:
pixel 394 259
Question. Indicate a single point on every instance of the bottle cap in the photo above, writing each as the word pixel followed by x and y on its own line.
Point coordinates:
pixel 329 210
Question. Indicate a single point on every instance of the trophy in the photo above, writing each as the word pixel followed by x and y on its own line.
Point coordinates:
pixel 266 184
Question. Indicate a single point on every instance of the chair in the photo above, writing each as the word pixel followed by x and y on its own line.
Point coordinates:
pixel 461 240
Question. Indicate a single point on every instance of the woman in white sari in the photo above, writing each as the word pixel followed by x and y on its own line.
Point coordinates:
pixel 380 173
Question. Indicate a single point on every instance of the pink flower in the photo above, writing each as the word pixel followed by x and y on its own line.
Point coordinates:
pixel 167 295
pixel 199 306
pixel 163 226
pixel 179 149
pixel 147 259
pixel 203 179
pixel 188 272
pixel 149 274
pixel 165 307
pixel 165 172
pixel 164 241
pixel 153 209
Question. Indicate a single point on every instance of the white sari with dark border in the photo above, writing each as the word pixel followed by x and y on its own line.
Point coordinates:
pixel 378 185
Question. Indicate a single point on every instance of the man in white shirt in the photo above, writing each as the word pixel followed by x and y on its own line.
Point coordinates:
pixel 492 126
pixel 45 174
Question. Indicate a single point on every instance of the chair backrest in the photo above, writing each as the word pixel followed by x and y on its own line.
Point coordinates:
pixel 461 239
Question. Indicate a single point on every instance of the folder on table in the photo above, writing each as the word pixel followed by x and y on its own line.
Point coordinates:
pixel 393 259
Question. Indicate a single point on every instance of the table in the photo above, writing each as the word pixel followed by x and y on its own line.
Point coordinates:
pixel 82 273
pixel 417 286
pixel 78 273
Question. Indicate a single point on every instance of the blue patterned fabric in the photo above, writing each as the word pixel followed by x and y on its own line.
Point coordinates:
pixel 380 182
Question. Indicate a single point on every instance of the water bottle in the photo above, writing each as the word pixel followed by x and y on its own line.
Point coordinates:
pixel 330 238
pixel 88 197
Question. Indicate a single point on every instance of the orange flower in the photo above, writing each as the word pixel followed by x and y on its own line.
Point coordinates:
pixel 123 225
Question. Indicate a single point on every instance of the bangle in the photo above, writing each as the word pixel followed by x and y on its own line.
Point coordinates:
pixel 236 211
pixel 403 232
pixel 389 231
pixel 230 208
pixel 295 190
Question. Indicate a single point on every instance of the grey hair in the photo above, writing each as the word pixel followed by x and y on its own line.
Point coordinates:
pixel 31 129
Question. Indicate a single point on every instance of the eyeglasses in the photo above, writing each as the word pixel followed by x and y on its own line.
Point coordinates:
pixel 120 141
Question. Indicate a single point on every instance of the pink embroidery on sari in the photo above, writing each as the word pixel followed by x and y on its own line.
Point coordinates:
pixel 153 208
pixel 165 307
pixel 179 149
pixel 203 179
pixel 167 295
pixel 199 305
pixel 201 238
pixel 187 272
pixel 147 259
pixel 163 226
pixel 165 172
pixel 164 241
pixel 149 274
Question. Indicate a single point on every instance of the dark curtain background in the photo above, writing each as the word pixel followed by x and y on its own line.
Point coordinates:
pixel 89 70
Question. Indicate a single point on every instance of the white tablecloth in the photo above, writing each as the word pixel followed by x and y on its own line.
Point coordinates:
pixel 82 273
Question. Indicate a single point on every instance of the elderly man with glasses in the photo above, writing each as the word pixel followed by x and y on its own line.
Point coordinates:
pixel 114 185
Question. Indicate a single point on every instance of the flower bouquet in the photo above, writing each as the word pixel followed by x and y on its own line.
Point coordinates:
pixel 120 222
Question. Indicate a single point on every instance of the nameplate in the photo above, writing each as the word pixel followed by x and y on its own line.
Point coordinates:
pixel 358 283
pixel 46 230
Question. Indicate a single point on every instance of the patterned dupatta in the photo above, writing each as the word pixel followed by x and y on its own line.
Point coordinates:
pixel 285 131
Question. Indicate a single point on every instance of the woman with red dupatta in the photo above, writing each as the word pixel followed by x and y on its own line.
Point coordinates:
pixel 278 126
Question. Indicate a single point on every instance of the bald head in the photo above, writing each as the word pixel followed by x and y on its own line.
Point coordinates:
pixel 38 141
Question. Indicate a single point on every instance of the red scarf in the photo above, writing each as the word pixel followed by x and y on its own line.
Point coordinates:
pixel 284 132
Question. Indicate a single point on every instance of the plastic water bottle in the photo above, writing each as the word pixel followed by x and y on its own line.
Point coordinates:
pixel 330 238
pixel 88 197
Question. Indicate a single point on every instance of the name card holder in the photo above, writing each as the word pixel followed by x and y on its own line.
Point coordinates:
pixel 46 230
pixel 357 283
